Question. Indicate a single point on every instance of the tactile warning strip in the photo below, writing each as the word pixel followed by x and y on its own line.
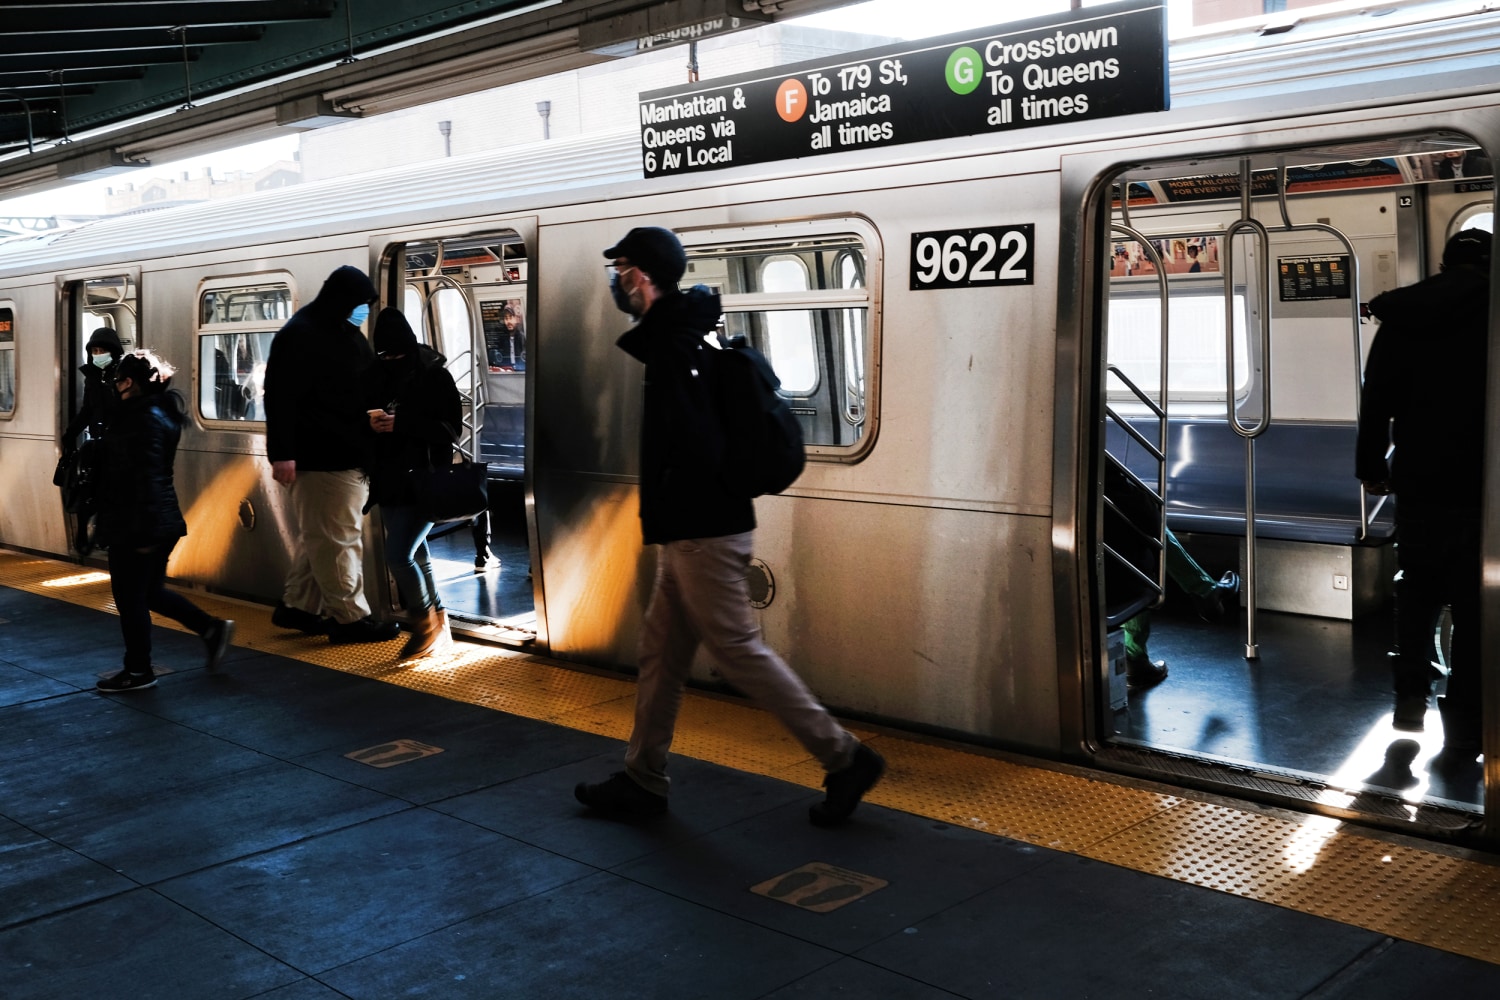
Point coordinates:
pixel 1312 864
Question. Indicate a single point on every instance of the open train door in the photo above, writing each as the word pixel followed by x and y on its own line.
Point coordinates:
pixel 467 294
pixel 1212 335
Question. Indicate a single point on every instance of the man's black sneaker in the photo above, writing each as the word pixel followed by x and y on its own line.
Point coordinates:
pixel 620 795
pixel 296 620
pixel 364 630
pixel 846 787
pixel 126 681
pixel 1143 672
pixel 1410 715
pixel 1214 605
pixel 217 638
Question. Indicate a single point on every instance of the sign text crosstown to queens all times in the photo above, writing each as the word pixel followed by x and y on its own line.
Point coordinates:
pixel 1097 62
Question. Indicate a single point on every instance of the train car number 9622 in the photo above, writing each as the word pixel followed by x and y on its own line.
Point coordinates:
pixel 968 258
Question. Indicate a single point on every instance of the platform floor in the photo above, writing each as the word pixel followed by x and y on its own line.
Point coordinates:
pixel 227 836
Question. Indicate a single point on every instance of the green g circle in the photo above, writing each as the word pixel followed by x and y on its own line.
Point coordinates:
pixel 964 71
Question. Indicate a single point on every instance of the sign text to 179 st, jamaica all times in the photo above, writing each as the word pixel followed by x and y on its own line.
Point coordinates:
pixel 1097 62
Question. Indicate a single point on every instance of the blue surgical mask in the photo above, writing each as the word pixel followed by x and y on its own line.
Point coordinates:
pixel 359 315
pixel 102 360
pixel 621 297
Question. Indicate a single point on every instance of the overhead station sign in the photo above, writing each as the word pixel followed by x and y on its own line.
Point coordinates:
pixel 1098 62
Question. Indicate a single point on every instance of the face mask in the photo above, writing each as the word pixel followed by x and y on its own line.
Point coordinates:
pixel 359 315
pixel 621 297
pixel 102 360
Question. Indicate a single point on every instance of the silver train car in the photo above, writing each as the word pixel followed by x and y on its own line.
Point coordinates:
pixel 948 563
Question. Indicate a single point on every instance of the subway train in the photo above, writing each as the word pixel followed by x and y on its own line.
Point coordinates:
pixel 1175 326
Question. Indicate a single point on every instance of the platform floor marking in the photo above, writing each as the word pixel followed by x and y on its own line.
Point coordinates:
pixel 819 887
pixel 1311 864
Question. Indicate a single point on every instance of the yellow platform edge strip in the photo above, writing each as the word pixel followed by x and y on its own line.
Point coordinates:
pixel 1311 864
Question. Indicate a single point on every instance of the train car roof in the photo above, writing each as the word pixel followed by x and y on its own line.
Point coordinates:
pixel 1353 57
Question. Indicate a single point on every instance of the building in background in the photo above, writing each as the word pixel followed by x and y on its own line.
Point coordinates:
pixel 199 185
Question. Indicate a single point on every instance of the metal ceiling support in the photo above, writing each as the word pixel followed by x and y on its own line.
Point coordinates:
pixel 26 107
pixel 62 98
pixel 187 74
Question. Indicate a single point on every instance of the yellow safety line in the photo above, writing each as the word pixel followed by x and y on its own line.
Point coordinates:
pixel 1311 864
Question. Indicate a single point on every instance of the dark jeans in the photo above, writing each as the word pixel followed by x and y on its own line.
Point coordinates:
pixel 1438 555
pixel 138 582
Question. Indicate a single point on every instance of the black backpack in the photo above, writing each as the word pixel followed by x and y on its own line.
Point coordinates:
pixel 763 441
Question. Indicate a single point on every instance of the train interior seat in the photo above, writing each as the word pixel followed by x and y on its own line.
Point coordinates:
pixel 1310 558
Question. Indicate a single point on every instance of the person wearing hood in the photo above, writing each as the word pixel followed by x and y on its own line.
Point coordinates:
pixel 143 521
pixel 415 411
pixel 704 532
pixel 104 351
pixel 1424 391
pixel 319 441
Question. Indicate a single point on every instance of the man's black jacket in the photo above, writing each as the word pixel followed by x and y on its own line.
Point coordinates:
pixel 682 438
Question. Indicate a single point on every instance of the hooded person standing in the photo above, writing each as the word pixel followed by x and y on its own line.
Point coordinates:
pixel 318 440
pixel 415 411
pixel 1424 391
pixel 143 521
pixel 704 531
pixel 104 351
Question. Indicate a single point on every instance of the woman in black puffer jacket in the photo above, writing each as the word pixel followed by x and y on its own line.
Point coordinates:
pixel 415 412
pixel 141 520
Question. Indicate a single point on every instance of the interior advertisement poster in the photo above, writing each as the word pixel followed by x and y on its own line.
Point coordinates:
pixel 1081 65
pixel 1179 255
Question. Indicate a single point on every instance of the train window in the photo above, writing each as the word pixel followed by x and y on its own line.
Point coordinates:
pixel 851 274
pixel 411 308
pixel 454 333
pixel 7 361
pixel 1195 326
pixel 237 321
pixel 109 302
pixel 789 335
pixel 801 298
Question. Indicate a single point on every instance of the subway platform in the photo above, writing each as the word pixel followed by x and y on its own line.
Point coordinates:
pixel 316 822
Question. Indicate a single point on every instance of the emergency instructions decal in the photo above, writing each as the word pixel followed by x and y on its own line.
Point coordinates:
pixel 1097 62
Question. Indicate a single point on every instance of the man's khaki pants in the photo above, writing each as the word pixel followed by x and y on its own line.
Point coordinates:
pixel 700 595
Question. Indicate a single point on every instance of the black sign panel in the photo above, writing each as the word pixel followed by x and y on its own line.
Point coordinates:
pixel 1305 279
pixel 968 258
pixel 1097 62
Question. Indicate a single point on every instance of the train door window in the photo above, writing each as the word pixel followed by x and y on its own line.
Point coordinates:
pixel 105 302
pixel 1473 217
pixel 7 359
pixel 801 295
pixel 237 320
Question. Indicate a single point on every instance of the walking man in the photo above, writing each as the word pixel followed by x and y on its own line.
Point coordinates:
pixel 319 441
pixel 704 535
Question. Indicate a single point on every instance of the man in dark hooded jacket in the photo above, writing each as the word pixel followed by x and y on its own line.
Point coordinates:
pixel 1424 390
pixel 104 350
pixel 704 532
pixel 318 440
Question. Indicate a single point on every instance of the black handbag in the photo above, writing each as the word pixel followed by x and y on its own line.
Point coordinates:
pixel 76 475
pixel 455 492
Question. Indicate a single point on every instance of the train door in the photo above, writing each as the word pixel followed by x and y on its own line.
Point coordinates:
pixel 1244 577
pixel 111 301
pixel 466 296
